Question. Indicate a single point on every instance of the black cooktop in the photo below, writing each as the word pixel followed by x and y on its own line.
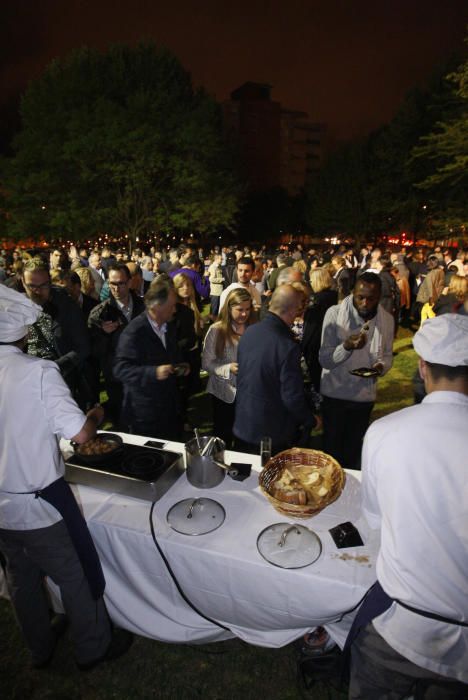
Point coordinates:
pixel 134 461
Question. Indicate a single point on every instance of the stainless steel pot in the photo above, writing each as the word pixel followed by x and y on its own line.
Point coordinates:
pixel 204 470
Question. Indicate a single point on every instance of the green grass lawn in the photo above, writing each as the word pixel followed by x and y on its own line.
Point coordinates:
pixel 395 389
pixel 225 671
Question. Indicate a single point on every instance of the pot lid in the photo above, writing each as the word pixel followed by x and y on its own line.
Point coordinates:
pixel 289 546
pixel 196 516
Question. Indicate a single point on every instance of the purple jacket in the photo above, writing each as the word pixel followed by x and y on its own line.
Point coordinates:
pixel 201 285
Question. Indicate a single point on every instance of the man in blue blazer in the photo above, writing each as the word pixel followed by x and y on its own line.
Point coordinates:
pixel 145 360
pixel 270 398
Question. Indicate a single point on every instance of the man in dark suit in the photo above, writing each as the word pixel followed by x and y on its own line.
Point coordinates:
pixel 270 399
pixel 342 277
pixel 84 301
pixel 106 322
pixel 147 361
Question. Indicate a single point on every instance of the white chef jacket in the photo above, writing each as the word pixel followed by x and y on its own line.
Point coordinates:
pixel 415 488
pixel 36 409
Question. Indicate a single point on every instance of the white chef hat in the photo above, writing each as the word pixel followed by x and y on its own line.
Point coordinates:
pixel 443 340
pixel 17 312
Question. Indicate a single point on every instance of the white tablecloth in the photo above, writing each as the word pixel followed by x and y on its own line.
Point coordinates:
pixel 222 572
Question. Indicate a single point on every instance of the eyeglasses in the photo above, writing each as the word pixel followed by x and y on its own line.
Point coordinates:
pixel 118 284
pixel 37 287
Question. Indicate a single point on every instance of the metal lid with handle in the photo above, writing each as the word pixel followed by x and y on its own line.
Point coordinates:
pixel 289 546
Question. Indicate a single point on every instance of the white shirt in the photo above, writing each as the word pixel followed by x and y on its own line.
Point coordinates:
pixel 221 381
pixel 126 310
pixel 36 410
pixel 250 287
pixel 159 330
pixel 415 488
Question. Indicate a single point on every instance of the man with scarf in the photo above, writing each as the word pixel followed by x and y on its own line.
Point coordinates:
pixel 356 334
pixel 42 531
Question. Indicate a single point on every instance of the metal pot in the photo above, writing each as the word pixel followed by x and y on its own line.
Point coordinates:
pixel 204 470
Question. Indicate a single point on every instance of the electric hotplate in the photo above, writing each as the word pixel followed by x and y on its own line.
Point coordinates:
pixel 138 471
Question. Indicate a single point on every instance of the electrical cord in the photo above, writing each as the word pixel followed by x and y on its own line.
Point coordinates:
pixel 346 612
pixel 173 577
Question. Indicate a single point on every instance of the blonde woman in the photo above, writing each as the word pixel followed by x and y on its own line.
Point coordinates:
pixel 186 295
pixel 453 301
pixel 87 282
pixel 219 359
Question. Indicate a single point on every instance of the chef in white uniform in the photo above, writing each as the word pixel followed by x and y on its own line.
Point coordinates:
pixel 414 637
pixel 36 409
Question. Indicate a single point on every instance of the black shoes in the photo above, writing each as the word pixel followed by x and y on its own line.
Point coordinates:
pixel 120 643
pixel 58 625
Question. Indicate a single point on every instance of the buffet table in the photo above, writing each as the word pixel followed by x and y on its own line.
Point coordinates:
pixel 222 572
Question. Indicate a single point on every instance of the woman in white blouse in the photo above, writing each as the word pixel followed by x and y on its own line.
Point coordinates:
pixel 219 359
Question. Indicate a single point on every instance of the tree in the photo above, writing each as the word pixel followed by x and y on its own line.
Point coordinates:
pixel 444 152
pixel 119 142
pixel 370 187
pixel 335 199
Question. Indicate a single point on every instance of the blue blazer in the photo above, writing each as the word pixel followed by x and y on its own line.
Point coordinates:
pixel 139 351
pixel 270 397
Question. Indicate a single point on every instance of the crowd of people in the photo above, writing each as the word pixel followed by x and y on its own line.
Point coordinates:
pixel 347 303
pixel 291 342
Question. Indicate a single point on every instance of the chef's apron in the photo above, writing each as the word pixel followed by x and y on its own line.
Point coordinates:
pixel 60 496
pixel 375 603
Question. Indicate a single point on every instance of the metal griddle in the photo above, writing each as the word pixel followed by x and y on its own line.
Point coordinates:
pixel 138 471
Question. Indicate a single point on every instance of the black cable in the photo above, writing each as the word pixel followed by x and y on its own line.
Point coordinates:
pixel 346 612
pixel 173 576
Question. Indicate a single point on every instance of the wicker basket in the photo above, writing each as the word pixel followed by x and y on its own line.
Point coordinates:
pixel 298 456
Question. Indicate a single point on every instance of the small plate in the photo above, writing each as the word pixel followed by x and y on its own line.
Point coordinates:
pixel 289 546
pixel 365 372
pixel 196 516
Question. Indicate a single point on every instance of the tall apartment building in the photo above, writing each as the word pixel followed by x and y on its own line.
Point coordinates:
pixel 278 147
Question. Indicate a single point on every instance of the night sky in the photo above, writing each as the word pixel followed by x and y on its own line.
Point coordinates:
pixel 347 63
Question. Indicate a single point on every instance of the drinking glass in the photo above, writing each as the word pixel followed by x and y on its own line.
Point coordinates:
pixel 265 449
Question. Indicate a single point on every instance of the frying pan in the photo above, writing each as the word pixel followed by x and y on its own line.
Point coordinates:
pixel 98 459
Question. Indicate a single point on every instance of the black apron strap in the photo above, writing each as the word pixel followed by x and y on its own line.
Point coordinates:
pixel 374 604
pixel 60 496
pixel 431 615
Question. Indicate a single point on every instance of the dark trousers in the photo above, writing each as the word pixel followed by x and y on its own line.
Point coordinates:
pixel 31 554
pixel 223 420
pixel 344 426
pixel 163 427
pixel 378 672
pixel 214 302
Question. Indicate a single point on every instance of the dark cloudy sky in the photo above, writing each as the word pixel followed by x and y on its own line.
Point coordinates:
pixel 346 62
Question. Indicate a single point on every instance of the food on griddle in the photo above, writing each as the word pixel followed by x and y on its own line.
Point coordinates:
pixel 303 485
pixel 97 446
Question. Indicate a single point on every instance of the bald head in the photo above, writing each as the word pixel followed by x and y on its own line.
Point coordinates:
pixel 286 302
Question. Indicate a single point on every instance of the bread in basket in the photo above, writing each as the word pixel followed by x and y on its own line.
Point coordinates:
pixel 301 482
